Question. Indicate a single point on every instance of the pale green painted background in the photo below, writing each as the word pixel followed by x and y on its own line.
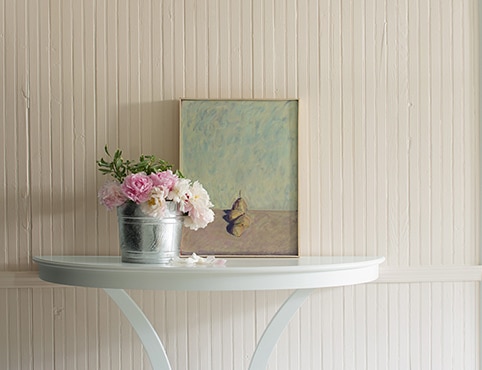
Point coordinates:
pixel 242 145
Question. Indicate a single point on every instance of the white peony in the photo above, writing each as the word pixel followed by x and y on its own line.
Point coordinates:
pixel 198 207
pixel 199 218
pixel 181 192
pixel 155 206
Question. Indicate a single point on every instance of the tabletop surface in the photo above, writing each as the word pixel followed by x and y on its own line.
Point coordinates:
pixel 258 273
pixel 232 264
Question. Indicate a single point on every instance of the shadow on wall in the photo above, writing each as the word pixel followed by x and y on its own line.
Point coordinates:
pixel 155 130
pixel 147 128
pixel 64 205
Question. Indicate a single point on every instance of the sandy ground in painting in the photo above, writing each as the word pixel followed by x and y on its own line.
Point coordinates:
pixel 270 233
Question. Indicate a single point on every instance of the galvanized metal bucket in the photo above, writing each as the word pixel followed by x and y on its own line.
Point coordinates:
pixel 145 239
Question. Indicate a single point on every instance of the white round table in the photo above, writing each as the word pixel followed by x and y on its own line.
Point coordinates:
pixel 301 274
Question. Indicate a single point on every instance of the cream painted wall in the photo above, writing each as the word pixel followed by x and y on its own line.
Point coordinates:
pixel 388 149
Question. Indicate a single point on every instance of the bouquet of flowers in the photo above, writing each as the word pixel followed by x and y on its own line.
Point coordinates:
pixel 151 183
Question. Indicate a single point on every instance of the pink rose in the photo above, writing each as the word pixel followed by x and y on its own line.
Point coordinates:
pixel 111 195
pixel 165 179
pixel 137 187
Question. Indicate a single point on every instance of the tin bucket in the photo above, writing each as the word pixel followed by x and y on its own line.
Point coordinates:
pixel 145 239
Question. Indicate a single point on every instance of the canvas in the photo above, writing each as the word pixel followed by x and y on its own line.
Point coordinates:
pixel 245 153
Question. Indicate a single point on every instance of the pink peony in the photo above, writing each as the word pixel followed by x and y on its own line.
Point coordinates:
pixel 165 179
pixel 137 187
pixel 111 195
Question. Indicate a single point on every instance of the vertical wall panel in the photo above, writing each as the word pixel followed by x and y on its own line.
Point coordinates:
pixel 388 166
pixel 369 55
pixel 324 214
pixel 460 123
pixel 3 90
pixel 359 129
pixel 42 329
pixel 16 197
pixel 395 343
pixel 416 221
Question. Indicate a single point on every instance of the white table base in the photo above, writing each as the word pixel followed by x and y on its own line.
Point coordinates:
pixel 157 353
pixel 300 274
pixel 275 328
pixel 141 324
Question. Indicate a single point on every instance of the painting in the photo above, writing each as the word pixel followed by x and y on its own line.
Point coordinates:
pixel 245 153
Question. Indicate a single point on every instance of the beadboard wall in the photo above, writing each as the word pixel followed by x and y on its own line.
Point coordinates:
pixel 389 166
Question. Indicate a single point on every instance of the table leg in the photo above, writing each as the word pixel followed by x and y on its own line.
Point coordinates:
pixel 146 332
pixel 155 349
pixel 275 328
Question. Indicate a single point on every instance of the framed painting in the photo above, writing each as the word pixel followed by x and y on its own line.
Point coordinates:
pixel 245 153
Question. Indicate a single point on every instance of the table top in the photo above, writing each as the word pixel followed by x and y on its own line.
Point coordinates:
pixel 258 273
